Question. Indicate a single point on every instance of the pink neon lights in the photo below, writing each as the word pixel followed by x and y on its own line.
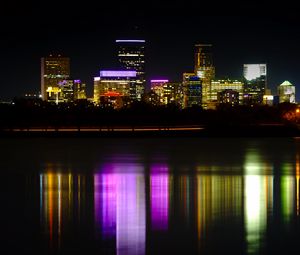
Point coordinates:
pixel 110 73
pixel 159 81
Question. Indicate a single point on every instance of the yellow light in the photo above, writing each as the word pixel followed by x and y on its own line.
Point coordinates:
pixel 297 110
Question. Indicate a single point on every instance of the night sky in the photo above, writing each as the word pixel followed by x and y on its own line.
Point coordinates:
pixel 246 32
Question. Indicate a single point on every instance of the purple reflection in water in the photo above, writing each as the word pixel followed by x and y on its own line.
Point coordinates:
pixel 120 208
pixel 131 215
pixel 105 203
pixel 159 197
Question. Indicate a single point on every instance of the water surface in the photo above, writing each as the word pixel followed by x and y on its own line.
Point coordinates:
pixel 150 196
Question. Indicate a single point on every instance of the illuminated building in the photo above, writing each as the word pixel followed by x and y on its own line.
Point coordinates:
pixel 168 92
pixel 204 69
pixel 131 56
pixel 151 98
pixel 53 70
pixel 67 91
pixel 255 78
pixel 218 86
pixel 32 95
pixel 114 88
pixel 268 100
pixel 229 97
pixel 192 90
pixel 53 94
pixel 287 92
pixel 79 90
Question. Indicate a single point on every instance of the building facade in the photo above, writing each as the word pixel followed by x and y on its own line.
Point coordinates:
pixel 67 91
pixel 167 92
pixel 131 56
pixel 54 69
pixel 204 69
pixel 218 86
pixel 113 88
pixel 287 92
pixel 229 97
pixel 192 90
pixel 255 82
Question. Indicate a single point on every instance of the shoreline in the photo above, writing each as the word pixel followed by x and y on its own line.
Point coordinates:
pixel 262 130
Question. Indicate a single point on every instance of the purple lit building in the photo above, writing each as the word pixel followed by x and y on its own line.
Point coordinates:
pixel 114 88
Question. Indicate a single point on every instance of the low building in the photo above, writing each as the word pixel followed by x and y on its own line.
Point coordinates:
pixel 229 97
pixel 168 92
pixel 231 86
pixel 287 92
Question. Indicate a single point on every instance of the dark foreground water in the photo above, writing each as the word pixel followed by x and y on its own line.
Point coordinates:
pixel 150 196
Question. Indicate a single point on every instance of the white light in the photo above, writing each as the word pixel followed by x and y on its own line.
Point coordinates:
pixel 128 55
pixel 253 71
pixel 138 41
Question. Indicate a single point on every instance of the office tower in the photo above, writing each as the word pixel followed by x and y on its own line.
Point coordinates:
pixel 131 56
pixel 168 92
pixel 204 69
pixel 287 92
pixel 192 90
pixel 113 88
pixel 218 86
pixel 54 69
pixel 255 79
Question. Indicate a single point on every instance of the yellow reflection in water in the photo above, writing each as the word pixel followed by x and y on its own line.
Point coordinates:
pixel 258 192
pixel 56 204
pixel 218 197
pixel 203 204
pixel 287 197
pixel 297 180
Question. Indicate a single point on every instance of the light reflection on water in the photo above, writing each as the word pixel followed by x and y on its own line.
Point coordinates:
pixel 134 207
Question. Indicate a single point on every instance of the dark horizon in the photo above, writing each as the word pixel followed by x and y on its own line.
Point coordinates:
pixel 240 34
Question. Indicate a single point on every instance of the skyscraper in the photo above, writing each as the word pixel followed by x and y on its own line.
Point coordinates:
pixel 131 56
pixel 204 69
pixel 54 69
pixel 255 82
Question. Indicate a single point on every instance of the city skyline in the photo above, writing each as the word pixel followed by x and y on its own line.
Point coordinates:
pixel 90 43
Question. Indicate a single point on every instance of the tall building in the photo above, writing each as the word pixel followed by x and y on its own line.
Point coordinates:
pixel 113 88
pixel 192 90
pixel 131 56
pixel 204 69
pixel 255 79
pixel 218 86
pixel 54 69
pixel 287 92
